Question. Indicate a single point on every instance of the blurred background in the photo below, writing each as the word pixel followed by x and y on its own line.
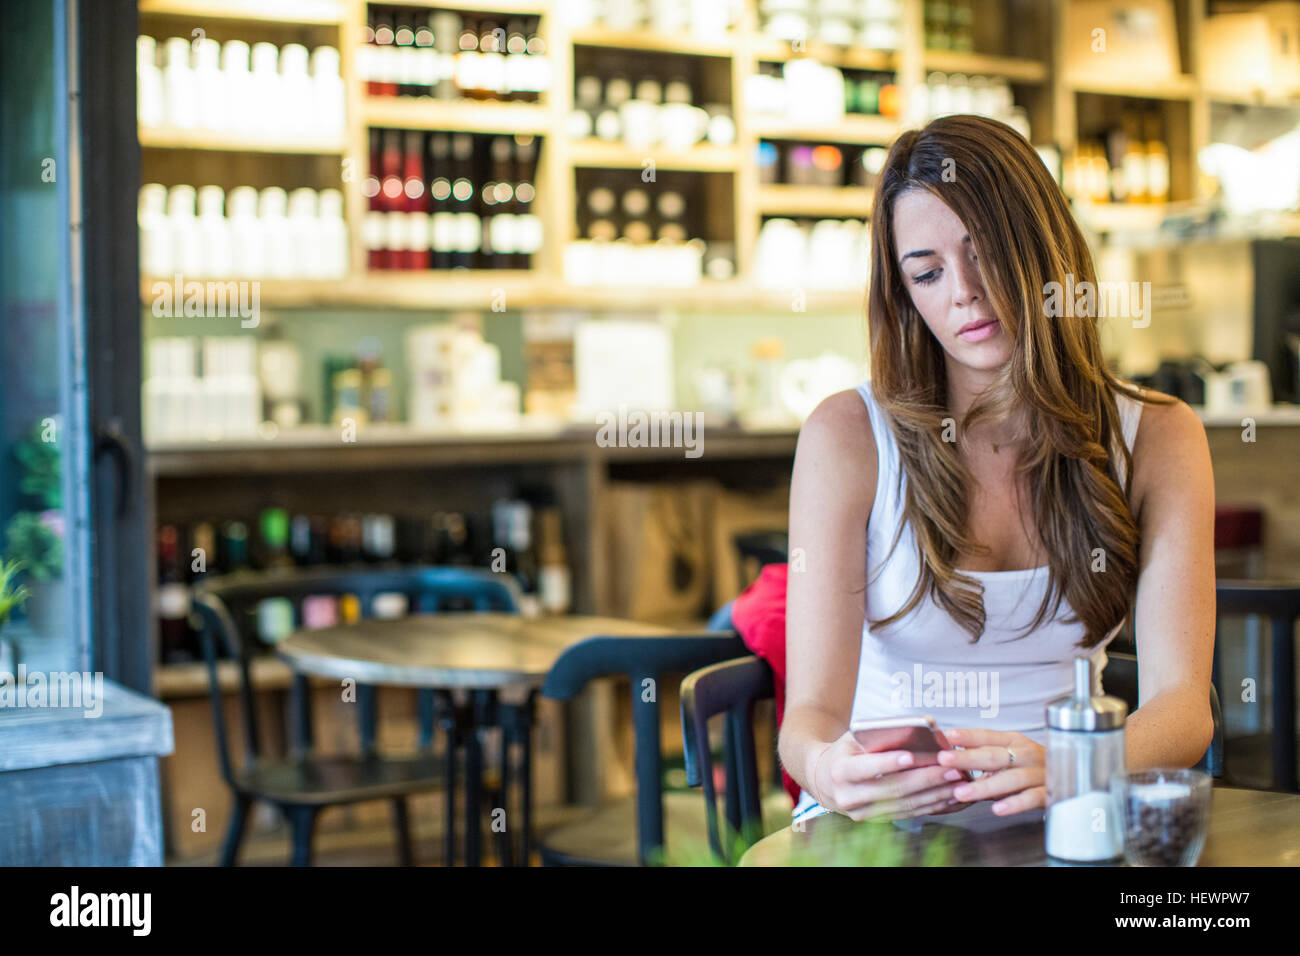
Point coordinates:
pixel 380 271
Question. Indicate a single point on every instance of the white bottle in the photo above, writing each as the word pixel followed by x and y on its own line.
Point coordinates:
pixel 307 247
pixel 334 234
pixel 246 235
pixel 296 91
pixel 186 246
pixel 149 102
pixel 179 100
pixel 267 105
pixel 214 233
pixel 328 95
pixel 210 86
pixel 272 208
pixel 155 235
pixel 239 87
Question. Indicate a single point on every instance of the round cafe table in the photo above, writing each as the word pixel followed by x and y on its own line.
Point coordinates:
pixel 1247 828
pixel 479 653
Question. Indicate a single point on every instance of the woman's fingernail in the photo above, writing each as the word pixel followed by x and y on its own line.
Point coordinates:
pixel 999 807
pixel 952 775
pixel 962 792
pixel 905 760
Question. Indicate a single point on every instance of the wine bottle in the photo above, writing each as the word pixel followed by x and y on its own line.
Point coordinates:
pixel 499 227
pixel 528 225
pixel 492 61
pixel 553 576
pixel 405 57
pixel 385 57
pixel 442 221
pixel 469 229
pixel 417 251
pixel 273 525
pixel 234 547
pixel 173 601
pixel 468 83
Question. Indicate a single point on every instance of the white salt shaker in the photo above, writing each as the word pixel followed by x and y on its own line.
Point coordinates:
pixel 1085 749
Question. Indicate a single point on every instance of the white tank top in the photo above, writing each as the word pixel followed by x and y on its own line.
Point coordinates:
pixel 926 663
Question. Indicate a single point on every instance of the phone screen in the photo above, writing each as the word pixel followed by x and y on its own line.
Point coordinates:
pixel 919 740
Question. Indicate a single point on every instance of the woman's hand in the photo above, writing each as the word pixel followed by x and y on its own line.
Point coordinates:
pixel 859 784
pixel 1012 767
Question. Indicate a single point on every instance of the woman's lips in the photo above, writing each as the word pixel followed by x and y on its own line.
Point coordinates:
pixel 980 331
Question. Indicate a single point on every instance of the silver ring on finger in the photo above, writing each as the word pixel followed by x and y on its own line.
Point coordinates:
pixel 1011 757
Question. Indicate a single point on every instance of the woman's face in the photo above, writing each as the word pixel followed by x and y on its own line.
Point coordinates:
pixel 939 268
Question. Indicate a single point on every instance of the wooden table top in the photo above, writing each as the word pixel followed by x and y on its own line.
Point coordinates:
pixel 1247 828
pixel 454 649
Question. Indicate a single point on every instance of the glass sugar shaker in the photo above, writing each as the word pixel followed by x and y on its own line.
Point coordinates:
pixel 1085 749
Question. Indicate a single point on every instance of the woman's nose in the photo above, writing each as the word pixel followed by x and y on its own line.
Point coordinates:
pixel 969 288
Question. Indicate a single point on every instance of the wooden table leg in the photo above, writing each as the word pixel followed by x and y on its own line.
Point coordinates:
pixel 452 733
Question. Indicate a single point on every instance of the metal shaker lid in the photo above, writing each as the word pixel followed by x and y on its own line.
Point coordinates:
pixel 1082 711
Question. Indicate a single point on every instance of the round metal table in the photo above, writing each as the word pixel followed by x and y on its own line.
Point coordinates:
pixel 481 653
pixel 1247 828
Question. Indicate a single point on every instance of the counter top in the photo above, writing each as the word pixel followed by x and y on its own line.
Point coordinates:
pixel 1279 414
pixel 120 723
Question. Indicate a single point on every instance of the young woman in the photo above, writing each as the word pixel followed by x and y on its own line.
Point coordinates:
pixel 991 505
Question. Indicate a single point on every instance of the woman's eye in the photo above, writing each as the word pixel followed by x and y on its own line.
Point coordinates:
pixel 926 278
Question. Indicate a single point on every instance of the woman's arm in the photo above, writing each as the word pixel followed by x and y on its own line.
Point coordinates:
pixel 1173 495
pixel 831 493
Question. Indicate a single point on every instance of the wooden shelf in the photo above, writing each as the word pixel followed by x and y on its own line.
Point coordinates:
pixel 818 201
pixel 169 138
pixel 396 289
pixel 1177 88
pixel 701 158
pixel 1129 217
pixel 1254 97
pixel 653 42
pixel 191 680
pixel 1015 69
pixel 306 12
pixel 316 448
pixel 854 128
pixel 771 50
pixel 470 116
pixel 521 7
pixel 480 289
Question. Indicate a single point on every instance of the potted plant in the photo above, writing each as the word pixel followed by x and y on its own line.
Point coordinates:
pixel 11 596
pixel 35 537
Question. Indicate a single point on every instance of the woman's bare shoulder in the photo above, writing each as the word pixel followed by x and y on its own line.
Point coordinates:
pixel 837 447
pixel 1170 441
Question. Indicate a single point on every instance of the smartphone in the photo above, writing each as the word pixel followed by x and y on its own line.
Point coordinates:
pixel 917 733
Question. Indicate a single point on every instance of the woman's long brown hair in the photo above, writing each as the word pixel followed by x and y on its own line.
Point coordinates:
pixel 1024 236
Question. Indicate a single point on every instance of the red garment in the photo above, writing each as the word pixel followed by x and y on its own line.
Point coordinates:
pixel 758 615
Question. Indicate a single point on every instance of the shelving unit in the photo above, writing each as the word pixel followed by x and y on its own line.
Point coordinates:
pixel 1052 101
pixel 1054 116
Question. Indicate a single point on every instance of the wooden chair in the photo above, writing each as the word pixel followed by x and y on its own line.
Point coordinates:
pixel 1280 603
pixel 731 688
pixel 632 832
pixel 303 784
